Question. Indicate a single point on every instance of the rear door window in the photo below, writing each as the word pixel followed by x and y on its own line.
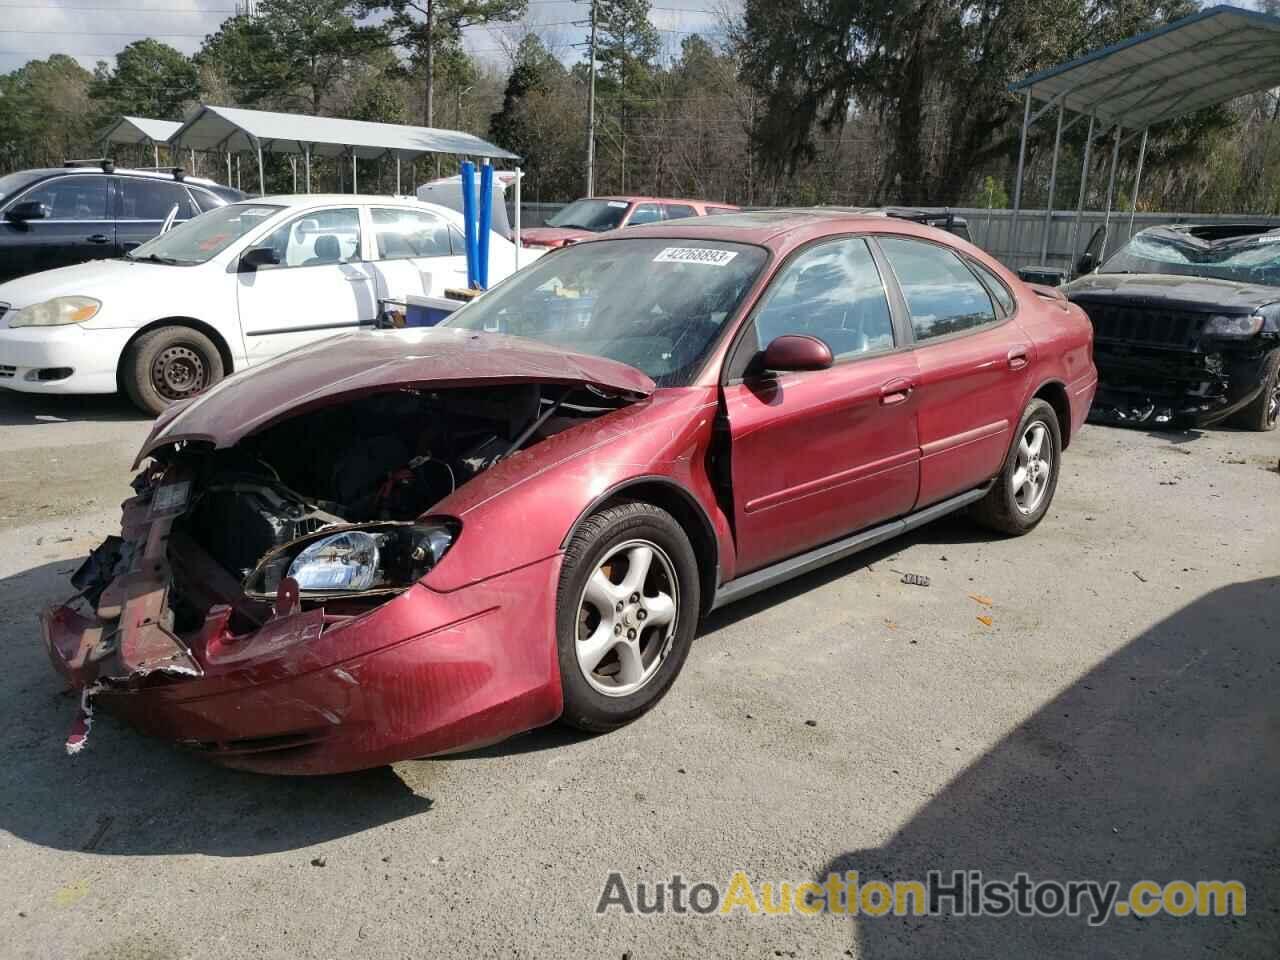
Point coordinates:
pixel 401 233
pixel 996 286
pixel 677 211
pixel 152 200
pixel 942 295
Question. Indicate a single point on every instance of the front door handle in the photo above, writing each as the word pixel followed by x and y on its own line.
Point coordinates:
pixel 1018 357
pixel 895 391
pixel 98 238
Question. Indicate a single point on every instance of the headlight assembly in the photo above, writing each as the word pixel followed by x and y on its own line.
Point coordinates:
pixel 1237 326
pixel 366 558
pixel 57 312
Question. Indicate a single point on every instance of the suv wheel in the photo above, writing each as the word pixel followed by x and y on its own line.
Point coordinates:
pixel 169 364
pixel 627 610
pixel 1024 488
pixel 1264 412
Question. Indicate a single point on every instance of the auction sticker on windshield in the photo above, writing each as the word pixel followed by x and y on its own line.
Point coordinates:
pixel 711 258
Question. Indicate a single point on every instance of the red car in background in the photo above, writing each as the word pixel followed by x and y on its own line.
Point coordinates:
pixel 591 215
pixel 393 544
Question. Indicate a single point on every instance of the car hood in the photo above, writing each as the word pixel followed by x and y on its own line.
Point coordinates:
pixel 90 279
pixel 553 236
pixel 364 362
pixel 1190 293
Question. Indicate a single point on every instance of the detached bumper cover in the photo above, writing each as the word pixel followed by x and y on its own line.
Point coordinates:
pixel 423 674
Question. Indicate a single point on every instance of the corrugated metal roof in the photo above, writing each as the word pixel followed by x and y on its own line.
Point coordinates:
pixel 140 130
pixel 234 129
pixel 1208 58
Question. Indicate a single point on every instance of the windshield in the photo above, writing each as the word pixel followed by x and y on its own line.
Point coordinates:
pixel 205 236
pixel 1244 259
pixel 594 215
pixel 11 183
pixel 655 304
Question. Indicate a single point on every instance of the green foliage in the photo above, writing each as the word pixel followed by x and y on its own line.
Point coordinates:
pixel 45 113
pixel 991 194
pixel 150 79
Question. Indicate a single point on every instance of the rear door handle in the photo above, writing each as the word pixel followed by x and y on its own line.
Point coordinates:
pixel 1018 357
pixel 895 391
pixel 98 238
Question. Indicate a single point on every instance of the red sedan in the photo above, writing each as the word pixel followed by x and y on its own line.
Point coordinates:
pixel 589 216
pixel 403 543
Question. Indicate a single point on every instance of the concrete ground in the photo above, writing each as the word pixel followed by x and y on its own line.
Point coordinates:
pixel 1117 719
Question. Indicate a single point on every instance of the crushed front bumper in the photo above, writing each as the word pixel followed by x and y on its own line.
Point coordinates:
pixel 425 673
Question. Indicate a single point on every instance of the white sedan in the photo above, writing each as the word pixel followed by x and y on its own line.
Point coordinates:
pixel 231 288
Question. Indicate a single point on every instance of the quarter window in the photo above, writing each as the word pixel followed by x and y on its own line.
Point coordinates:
pixel 942 295
pixel 152 200
pixel 317 238
pixel 676 211
pixel 996 286
pixel 72 198
pixel 833 292
pixel 401 233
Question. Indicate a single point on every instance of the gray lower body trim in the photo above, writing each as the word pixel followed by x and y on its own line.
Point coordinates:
pixel 803 563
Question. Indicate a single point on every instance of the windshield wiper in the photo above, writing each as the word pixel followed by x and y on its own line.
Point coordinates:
pixel 156 258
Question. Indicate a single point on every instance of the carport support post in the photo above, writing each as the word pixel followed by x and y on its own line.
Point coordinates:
pixel 1017 184
pixel 397 174
pixel 517 212
pixel 355 186
pixel 228 168
pixel 306 152
pixel 1111 186
pixel 1084 185
pixel 1053 185
pixel 155 154
pixel 1137 180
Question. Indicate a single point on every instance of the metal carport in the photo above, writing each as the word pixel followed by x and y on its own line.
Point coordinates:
pixel 141 130
pixel 1205 59
pixel 232 129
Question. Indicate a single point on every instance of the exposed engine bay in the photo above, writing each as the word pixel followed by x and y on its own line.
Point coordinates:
pixel 322 512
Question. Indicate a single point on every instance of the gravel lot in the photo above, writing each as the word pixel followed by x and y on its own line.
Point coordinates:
pixel 1119 718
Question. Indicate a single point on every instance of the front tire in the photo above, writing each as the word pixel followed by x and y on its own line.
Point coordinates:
pixel 1264 412
pixel 169 364
pixel 627 610
pixel 1022 492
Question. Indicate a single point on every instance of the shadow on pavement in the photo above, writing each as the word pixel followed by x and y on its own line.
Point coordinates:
pixel 126 795
pixel 1161 763
pixel 20 409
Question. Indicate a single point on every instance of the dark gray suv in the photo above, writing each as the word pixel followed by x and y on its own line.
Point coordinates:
pixel 92 211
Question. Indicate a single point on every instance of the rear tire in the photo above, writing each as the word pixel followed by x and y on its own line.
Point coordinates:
pixel 168 364
pixel 627 610
pixel 1264 412
pixel 1024 488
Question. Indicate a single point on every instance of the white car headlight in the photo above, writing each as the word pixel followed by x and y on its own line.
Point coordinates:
pixel 57 312
pixel 1238 326
pixel 385 556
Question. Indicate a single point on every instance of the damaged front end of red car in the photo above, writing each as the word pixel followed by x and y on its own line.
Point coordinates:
pixel 265 601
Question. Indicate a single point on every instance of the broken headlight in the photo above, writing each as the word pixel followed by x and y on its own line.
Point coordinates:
pixel 1232 326
pixel 366 558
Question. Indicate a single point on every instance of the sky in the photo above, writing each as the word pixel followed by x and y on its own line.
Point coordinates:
pixel 93 30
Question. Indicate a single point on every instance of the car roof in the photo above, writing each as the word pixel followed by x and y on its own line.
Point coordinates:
pixel 164 174
pixel 762 226
pixel 632 198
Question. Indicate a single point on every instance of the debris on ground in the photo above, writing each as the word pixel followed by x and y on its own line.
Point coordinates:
pixel 915 579
pixel 979 598
pixel 1139 576
pixel 984 620
pixel 811 723
pixel 318 861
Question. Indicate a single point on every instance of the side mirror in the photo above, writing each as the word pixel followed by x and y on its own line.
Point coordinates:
pixel 1085 264
pixel 796 352
pixel 28 210
pixel 251 260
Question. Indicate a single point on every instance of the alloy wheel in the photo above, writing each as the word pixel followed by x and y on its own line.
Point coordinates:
pixel 1033 469
pixel 627 618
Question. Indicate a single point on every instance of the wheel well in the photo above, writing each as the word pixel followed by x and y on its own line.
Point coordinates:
pixel 1055 394
pixel 228 364
pixel 691 518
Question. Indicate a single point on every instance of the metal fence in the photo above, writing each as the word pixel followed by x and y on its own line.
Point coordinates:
pixel 993 230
